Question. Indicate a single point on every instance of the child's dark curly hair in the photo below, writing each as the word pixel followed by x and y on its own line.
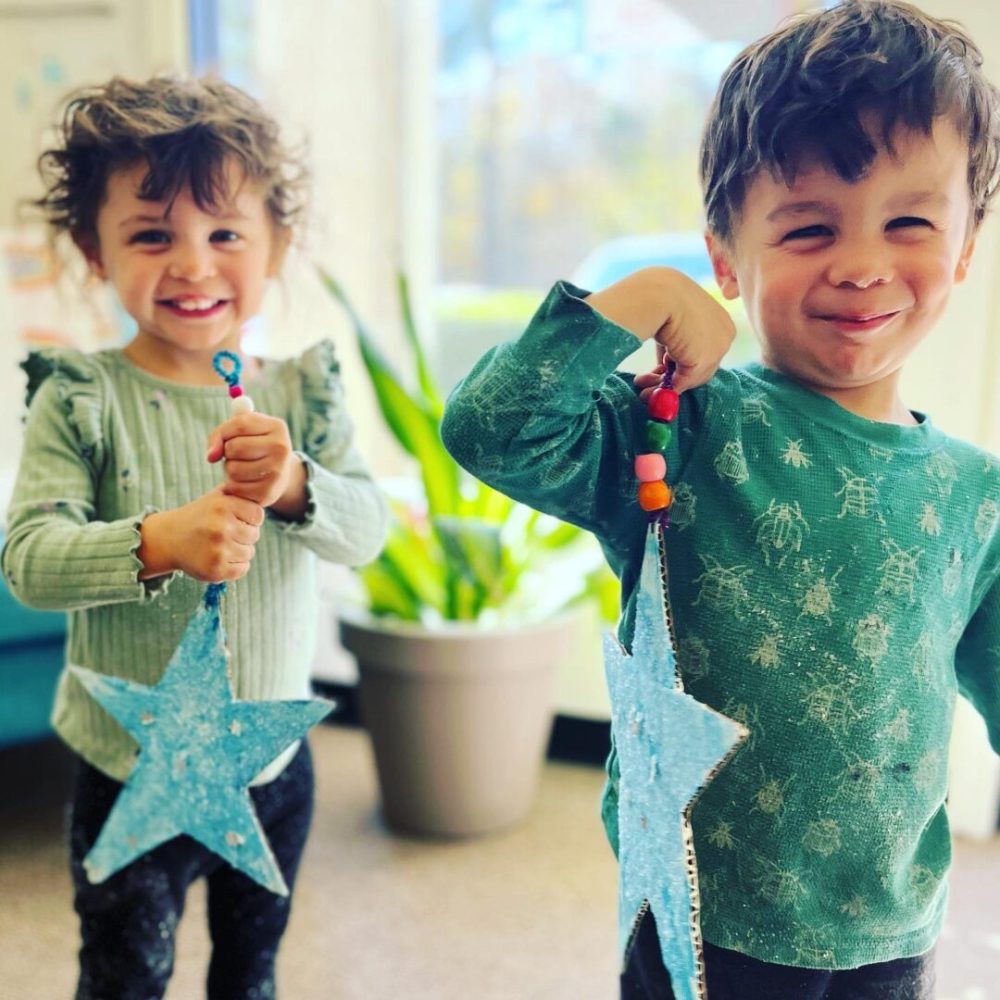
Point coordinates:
pixel 186 131
pixel 806 88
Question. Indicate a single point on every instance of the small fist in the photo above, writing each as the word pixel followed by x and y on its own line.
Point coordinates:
pixel 260 464
pixel 212 539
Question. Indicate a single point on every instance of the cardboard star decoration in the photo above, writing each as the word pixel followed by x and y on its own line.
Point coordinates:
pixel 669 747
pixel 199 749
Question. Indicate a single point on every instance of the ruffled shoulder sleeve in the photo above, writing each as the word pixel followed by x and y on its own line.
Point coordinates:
pixel 327 429
pixel 78 385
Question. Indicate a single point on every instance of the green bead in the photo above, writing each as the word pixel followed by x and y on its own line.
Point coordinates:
pixel 658 435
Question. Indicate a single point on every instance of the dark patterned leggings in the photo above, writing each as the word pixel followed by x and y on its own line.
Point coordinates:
pixel 127 922
pixel 732 976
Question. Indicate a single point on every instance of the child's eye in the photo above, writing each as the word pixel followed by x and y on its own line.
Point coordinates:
pixel 906 221
pixel 153 236
pixel 224 236
pixel 808 233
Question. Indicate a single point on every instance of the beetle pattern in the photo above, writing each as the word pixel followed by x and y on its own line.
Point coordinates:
pixel 818 599
pixel 860 496
pixel 794 456
pixel 682 509
pixel 731 463
pixel 871 638
pixel 781 529
pixel 900 569
pixel 722 586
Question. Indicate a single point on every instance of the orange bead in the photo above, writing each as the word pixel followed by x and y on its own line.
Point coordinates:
pixel 654 496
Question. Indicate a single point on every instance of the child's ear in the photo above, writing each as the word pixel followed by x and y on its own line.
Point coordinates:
pixel 87 245
pixel 281 240
pixel 962 267
pixel 722 264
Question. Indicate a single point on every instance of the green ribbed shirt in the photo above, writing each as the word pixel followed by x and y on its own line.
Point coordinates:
pixel 107 443
pixel 834 584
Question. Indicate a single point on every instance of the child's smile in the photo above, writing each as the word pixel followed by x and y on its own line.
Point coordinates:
pixel 190 277
pixel 194 307
pixel 842 281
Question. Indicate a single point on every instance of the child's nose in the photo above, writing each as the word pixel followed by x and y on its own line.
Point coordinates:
pixel 190 263
pixel 860 268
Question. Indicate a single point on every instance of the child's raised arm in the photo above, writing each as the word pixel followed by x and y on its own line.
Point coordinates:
pixel 546 420
pixel 661 302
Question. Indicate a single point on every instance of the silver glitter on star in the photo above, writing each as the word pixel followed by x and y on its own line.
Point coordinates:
pixel 669 747
pixel 199 749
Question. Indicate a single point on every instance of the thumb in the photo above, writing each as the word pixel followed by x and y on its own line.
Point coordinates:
pixel 686 376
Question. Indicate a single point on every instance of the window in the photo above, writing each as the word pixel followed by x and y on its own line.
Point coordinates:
pixel 568 138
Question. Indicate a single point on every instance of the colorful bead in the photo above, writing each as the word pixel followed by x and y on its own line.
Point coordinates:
pixel 654 496
pixel 663 403
pixel 650 467
pixel 235 391
pixel 241 404
pixel 658 435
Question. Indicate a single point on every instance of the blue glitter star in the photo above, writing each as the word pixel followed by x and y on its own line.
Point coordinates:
pixel 199 750
pixel 669 746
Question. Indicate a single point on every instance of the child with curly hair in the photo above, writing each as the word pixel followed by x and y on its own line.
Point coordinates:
pixel 180 194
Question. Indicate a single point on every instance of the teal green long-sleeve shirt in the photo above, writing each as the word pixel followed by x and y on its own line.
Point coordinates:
pixel 834 584
pixel 106 443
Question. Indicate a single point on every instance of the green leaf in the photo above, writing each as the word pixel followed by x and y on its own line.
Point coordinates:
pixel 559 536
pixel 474 551
pixel 386 593
pixel 428 386
pixel 490 505
pixel 415 561
pixel 411 423
pixel 603 586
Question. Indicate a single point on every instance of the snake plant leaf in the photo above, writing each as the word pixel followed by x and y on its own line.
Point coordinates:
pixel 415 427
pixel 388 596
pixel 475 551
pixel 561 535
pixel 385 386
pixel 428 387
pixel 602 586
pixel 489 504
pixel 414 557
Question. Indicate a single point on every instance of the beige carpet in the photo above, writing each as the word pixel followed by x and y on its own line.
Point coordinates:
pixel 525 915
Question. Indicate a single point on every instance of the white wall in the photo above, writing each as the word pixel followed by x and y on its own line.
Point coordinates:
pixel 346 94
pixel 50 46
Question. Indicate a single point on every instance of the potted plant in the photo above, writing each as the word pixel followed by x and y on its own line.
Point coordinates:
pixel 463 631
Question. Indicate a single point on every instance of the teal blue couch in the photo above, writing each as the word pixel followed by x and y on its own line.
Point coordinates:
pixel 31 657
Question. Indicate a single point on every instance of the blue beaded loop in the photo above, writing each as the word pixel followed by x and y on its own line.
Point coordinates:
pixel 231 376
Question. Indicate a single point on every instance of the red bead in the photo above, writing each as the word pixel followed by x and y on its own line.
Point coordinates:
pixel 235 391
pixel 663 404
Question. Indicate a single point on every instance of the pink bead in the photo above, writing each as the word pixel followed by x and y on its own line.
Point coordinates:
pixel 649 468
pixel 235 391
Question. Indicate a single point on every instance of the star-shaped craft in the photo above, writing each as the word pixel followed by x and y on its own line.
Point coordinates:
pixel 199 749
pixel 669 746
